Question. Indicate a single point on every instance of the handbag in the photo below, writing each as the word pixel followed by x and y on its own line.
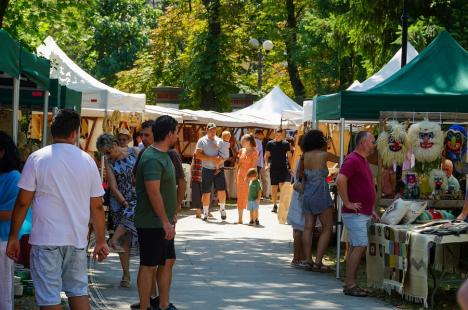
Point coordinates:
pixel 298 185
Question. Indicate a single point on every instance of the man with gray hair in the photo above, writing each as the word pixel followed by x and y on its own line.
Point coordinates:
pixel 357 190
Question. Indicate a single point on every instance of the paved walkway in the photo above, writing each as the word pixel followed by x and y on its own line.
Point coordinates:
pixel 227 266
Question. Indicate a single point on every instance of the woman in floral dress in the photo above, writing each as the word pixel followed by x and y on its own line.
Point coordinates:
pixel 119 164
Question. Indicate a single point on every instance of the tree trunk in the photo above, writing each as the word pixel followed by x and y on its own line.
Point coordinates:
pixel 291 46
pixel 3 8
pixel 207 91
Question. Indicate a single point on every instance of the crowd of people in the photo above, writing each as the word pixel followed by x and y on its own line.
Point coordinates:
pixel 146 186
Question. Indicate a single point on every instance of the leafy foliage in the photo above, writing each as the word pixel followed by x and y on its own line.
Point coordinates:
pixel 201 45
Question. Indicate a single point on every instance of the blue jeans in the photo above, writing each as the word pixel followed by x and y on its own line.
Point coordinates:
pixel 357 226
pixel 58 268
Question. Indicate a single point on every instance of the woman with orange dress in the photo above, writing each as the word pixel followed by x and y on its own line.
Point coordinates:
pixel 248 157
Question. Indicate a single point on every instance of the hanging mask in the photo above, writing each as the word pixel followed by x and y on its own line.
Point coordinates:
pixel 392 143
pixel 438 180
pixel 455 145
pixel 427 140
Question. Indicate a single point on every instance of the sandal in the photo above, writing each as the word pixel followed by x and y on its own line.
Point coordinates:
pixel 322 268
pixel 125 282
pixel 355 291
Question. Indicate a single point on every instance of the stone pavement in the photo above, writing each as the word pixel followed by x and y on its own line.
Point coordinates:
pixel 221 265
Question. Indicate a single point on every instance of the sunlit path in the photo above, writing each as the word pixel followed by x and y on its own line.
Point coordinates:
pixel 229 266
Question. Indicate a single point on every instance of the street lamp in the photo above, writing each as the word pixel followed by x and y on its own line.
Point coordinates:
pixel 266 46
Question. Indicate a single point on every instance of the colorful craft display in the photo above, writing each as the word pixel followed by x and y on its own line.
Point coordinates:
pixel 455 145
pixel 392 143
pixel 427 140
pixel 411 186
pixel 438 182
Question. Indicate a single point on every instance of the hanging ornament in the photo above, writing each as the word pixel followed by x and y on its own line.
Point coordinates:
pixel 411 186
pixel 455 146
pixel 426 139
pixel 438 182
pixel 393 144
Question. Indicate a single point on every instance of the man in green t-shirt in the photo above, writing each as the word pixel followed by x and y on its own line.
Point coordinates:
pixel 155 213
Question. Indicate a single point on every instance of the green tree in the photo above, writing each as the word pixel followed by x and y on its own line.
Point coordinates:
pixel 120 31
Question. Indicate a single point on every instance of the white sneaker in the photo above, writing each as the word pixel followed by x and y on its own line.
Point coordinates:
pixel 223 214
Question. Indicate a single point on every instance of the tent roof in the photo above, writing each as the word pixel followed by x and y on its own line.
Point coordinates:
pixel 95 95
pixel 435 81
pixel 14 59
pixel 269 109
pixel 386 71
pixel 9 54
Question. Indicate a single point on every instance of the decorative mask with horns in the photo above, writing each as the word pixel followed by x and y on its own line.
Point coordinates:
pixel 392 143
pixel 427 141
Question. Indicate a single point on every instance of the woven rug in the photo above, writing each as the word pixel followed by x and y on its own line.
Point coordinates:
pixel 387 257
pixel 416 289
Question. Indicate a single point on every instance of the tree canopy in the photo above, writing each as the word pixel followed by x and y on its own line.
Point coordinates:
pixel 320 46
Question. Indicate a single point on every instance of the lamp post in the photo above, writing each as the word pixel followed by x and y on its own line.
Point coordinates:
pixel 404 33
pixel 266 46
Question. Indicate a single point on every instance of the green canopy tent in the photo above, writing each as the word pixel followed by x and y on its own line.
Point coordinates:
pixel 15 60
pixel 9 63
pixel 70 99
pixel 434 81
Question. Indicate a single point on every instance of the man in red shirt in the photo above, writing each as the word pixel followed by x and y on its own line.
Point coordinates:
pixel 357 190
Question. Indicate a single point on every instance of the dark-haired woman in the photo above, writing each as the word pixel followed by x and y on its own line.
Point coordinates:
pixel 9 177
pixel 316 201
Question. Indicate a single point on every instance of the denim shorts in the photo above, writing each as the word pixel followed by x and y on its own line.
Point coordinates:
pixel 58 268
pixel 252 205
pixel 357 226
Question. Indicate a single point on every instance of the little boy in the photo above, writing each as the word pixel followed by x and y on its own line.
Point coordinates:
pixel 223 147
pixel 255 192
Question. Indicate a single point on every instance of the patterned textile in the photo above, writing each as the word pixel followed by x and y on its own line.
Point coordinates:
pixel 123 172
pixel 387 244
pixel 406 270
pixel 196 169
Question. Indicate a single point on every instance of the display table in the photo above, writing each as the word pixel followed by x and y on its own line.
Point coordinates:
pixel 400 257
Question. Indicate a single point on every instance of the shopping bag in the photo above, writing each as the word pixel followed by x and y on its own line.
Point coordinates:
pixel 286 192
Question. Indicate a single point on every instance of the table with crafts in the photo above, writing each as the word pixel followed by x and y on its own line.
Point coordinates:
pixel 400 257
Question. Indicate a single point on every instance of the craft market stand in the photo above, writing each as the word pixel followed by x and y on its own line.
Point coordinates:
pixel 443 89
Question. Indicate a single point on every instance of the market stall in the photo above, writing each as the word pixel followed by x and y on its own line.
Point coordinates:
pixel 24 83
pixel 434 81
pixel 98 101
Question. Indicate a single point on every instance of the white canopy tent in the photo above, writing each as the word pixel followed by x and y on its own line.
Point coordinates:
pixel 386 71
pixel 275 109
pixel 96 96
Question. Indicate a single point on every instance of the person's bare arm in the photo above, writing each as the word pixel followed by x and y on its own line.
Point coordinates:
pixel 202 156
pixel 342 184
pixel 181 188
pixel 333 158
pixel 464 212
pixel 290 157
pixel 152 188
pixel 462 296
pixel 98 219
pixel 112 182
pixel 23 201
pixel 5 215
pixel 267 158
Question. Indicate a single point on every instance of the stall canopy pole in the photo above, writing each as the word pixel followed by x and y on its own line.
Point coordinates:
pixel 45 118
pixel 16 91
pixel 340 202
